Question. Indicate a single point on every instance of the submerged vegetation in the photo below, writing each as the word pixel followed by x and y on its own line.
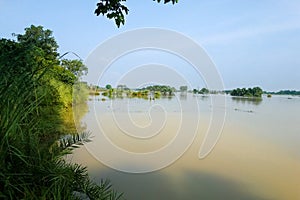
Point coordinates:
pixel 202 91
pixel 255 92
pixel 37 123
pixel 156 91
pixel 150 92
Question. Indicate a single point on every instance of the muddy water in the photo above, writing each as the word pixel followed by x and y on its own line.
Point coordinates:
pixel 256 157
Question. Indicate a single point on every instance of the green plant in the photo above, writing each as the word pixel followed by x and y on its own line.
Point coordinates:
pixel 34 136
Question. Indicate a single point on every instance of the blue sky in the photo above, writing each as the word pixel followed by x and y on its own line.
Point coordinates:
pixel 252 43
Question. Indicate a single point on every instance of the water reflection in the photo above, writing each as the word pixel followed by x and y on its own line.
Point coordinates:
pixel 76 114
pixel 243 100
pixel 183 96
pixel 202 97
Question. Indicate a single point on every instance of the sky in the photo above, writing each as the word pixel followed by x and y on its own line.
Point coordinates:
pixel 252 43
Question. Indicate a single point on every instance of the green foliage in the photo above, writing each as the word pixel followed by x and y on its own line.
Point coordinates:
pixel 75 66
pixel 250 92
pixel 42 39
pixel 108 87
pixel 202 91
pixel 116 9
pixel 287 92
pixel 154 91
pixel 167 1
pixel 105 93
pixel 35 99
pixel 64 75
pixel 157 94
pixel 113 9
pixel 162 89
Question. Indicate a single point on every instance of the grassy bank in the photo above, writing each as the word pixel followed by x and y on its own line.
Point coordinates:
pixel 37 124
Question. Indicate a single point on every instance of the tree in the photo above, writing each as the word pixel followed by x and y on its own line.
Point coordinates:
pixel 121 87
pixel 115 9
pixel 250 92
pixel 287 92
pixel 183 88
pixel 75 66
pixel 41 39
pixel 163 89
pixel 204 91
pixel 108 86
pixel 257 92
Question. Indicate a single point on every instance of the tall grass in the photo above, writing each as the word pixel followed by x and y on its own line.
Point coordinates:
pixel 32 146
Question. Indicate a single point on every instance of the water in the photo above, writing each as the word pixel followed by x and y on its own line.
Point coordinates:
pixel 256 157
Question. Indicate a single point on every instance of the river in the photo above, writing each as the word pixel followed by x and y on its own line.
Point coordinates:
pixel 257 155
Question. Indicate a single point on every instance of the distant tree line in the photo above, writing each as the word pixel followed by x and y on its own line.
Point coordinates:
pixel 250 92
pixel 286 92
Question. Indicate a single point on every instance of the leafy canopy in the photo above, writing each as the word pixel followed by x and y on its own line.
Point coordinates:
pixel 36 36
pixel 116 9
pixel 250 92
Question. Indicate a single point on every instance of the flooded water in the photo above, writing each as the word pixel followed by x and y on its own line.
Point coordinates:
pixel 256 157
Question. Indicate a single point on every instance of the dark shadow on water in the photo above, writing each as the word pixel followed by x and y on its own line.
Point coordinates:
pixel 201 185
pixel 167 184
pixel 161 186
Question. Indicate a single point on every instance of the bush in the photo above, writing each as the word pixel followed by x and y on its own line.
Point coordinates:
pixel 34 135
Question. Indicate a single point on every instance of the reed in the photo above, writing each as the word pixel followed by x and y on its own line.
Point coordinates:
pixel 32 143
